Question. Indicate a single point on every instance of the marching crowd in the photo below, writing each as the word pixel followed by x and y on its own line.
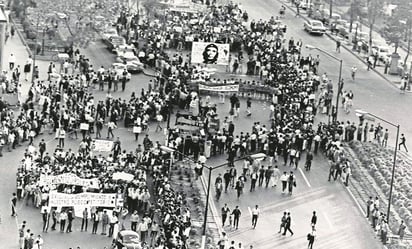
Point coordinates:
pixel 288 79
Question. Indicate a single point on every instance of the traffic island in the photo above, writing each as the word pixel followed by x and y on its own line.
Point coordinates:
pixel 371 171
pixel 183 180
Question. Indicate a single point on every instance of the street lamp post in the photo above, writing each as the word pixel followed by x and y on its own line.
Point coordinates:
pixel 397 126
pixel 334 118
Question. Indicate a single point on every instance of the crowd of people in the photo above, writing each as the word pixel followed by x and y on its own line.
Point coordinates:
pixel 289 80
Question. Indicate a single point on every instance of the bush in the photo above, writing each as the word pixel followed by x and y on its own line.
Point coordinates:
pixel 31 35
pixel 26 24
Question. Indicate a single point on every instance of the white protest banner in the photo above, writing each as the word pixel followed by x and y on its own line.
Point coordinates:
pixel 221 88
pixel 69 179
pixel 210 53
pixel 82 200
pixel 123 176
pixel 102 145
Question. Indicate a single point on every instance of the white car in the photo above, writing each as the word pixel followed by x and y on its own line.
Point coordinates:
pixel 119 69
pixel 382 51
pixel 121 49
pixel 314 27
pixel 132 62
pixel 108 33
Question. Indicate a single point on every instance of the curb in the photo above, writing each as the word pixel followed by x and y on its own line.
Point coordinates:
pixel 345 47
pixel 23 40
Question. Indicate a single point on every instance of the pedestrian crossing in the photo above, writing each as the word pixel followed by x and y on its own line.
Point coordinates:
pixel 339 225
pixel 326 241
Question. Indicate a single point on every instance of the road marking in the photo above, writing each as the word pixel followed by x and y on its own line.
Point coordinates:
pixel 356 201
pixel 327 220
pixel 250 211
pixel 304 178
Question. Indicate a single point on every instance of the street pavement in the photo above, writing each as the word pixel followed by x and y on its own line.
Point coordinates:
pixel 339 219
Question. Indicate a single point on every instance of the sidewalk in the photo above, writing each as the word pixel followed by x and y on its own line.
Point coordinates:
pixel 15 46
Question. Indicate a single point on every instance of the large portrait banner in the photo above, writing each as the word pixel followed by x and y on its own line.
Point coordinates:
pixel 210 53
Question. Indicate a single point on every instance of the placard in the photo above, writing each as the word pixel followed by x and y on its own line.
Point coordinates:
pixel 210 53
pixel 82 200
pixel 102 145
pixel 84 126
pixel 137 129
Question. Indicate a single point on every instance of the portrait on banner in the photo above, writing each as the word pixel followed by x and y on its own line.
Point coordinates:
pixel 210 53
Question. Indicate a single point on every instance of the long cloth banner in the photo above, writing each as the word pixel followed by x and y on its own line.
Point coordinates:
pixel 83 199
pixel 69 179
pixel 221 88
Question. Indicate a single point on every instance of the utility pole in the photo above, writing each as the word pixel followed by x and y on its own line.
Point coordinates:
pixel 330 8
pixel 35 48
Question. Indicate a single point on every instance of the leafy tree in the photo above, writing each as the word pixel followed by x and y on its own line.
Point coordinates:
pixel 398 24
pixel 354 12
pixel 374 10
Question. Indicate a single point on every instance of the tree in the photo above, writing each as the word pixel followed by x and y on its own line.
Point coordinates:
pixel 354 12
pixel 374 10
pixel 398 24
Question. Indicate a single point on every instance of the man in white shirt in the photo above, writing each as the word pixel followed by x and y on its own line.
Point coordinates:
pixel 12 61
pixel 255 216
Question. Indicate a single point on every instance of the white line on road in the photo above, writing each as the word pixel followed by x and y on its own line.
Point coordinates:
pixel 304 178
pixel 327 220
pixel 356 201
pixel 250 211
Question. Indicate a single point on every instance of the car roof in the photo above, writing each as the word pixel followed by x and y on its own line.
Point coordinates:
pixel 315 21
pixel 128 232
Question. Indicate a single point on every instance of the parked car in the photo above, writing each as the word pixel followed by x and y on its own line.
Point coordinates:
pixel 128 239
pixel 131 61
pixel 360 36
pixel 278 24
pixel 99 23
pixel 305 5
pixel 119 69
pixel 337 25
pixel 314 27
pixel 328 20
pixel 108 33
pixel 114 42
pixel 383 52
pixel 121 49
pixel 344 29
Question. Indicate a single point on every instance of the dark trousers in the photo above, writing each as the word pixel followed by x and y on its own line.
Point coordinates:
pixel 254 220
pixel 287 228
pixel 95 225
pixel 253 185
pixel 69 227
pixel 284 185
pixel 84 224
pixel 133 226
pixel 62 225
pixel 236 222
pixel 261 181
pixel 224 217
pixel 54 224
pixel 111 228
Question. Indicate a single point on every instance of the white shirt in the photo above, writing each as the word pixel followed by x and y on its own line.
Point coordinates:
pixel 256 211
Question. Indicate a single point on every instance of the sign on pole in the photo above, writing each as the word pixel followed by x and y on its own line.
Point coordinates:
pixel 102 145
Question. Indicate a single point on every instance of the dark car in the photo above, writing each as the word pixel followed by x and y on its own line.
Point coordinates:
pixel 114 42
